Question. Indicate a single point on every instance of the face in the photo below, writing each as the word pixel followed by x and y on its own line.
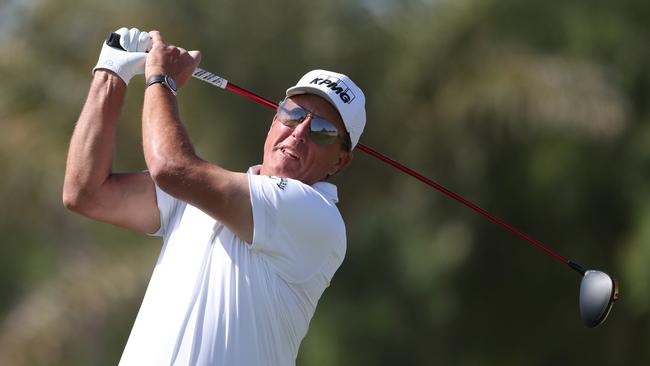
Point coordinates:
pixel 293 152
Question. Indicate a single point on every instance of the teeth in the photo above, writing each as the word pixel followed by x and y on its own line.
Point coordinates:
pixel 284 150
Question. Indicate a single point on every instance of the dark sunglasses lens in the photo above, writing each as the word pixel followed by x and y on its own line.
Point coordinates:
pixel 291 117
pixel 323 131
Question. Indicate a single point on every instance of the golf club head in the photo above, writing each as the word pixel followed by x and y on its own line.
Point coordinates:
pixel 598 291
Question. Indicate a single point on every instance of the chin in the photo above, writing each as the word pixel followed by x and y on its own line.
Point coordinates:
pixel 282 170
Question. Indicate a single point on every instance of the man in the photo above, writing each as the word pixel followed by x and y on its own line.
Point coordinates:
pixel 246 256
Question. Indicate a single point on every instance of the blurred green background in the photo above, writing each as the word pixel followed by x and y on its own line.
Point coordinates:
pixel 536 110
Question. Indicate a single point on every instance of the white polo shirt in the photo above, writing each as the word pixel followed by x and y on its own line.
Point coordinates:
pixel 215 300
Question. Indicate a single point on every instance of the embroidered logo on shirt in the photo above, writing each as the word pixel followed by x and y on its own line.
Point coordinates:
pixel 282 184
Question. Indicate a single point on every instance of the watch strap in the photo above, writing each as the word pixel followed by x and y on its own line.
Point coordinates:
pixel 162 79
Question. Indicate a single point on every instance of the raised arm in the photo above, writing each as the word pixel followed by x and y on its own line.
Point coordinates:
pixel 90 188
pixel 170 156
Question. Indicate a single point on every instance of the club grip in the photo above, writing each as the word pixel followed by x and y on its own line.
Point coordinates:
pixel 210 78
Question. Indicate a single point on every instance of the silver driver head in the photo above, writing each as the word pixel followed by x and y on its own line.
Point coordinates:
pixel 598 291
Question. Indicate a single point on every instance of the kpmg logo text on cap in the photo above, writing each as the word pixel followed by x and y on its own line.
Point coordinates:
pixel 346 95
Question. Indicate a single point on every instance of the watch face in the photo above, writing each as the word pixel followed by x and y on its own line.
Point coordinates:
pixel 170 82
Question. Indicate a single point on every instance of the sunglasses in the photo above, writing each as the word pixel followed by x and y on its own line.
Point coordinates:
pixel 322 131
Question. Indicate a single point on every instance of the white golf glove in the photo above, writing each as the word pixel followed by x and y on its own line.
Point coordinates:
pixel 129 63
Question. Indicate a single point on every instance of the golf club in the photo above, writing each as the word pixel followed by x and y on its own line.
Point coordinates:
pixel 598 290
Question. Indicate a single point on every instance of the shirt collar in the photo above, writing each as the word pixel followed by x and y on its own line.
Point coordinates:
pixel 326 189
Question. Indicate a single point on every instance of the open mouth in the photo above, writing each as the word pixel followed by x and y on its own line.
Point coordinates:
pixel 289 153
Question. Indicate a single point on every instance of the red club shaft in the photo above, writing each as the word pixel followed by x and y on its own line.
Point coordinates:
pixel 462 200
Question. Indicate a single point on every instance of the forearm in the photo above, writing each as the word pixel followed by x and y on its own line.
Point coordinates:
pixel 93 141
pixel 176 169
pixel 167 147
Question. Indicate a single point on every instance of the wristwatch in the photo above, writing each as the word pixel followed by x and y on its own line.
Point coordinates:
pixel 165 80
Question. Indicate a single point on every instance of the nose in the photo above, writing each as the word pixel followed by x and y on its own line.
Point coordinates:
pixel 301 132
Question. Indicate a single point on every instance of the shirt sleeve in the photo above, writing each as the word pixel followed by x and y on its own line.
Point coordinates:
pixel 167 205
pixel 297 229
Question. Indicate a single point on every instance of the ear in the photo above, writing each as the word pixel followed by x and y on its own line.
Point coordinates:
pixel 344 159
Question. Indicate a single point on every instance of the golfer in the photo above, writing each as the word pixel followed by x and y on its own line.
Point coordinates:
pixel 245 256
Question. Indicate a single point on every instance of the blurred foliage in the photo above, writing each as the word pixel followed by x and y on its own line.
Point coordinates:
pixel 538 111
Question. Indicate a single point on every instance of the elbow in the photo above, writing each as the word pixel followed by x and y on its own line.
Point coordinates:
pixel 72 198
pixel 168 174
pixel 160 170
pixel 76 196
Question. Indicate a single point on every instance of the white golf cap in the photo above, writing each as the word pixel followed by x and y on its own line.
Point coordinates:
pixel 342 92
